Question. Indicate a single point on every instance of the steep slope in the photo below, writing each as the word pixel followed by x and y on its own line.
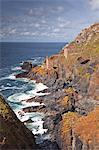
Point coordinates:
pixel 13 133
pixel 73 80
pixel 79 58
pixel 79 132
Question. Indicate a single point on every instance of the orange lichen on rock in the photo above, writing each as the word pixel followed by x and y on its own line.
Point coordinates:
pixel 65 101
pixel 65 130
pixel 87 127
pixel 68 120
pixel 69 90
pixel 67 123
pixel 39 70
pixel 75 127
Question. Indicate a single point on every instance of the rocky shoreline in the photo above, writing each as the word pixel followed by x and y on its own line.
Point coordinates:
pixel 71 85
pixel 72 106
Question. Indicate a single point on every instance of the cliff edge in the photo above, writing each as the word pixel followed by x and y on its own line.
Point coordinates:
pixel 13 133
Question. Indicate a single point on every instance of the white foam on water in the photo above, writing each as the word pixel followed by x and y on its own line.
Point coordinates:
pixel 16 68
pixel 34 92
pixel 8 84
pixel 29 104
pixel 18 97
pixel 26 80
pixel 40 87
pixel 9 88
pixel 11 76
pixel 3 78
pixel 40 130
pixel 34 116
pixel 36 127
pixel 21 63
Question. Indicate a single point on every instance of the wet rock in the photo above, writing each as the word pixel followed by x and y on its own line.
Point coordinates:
pixel 22 75
pixel 34 108
pixel 27 66
pixel 35 99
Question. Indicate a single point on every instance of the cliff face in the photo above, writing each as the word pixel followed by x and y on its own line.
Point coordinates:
pixel 73 80
pixel 13 133
pixel 79 58
pixel 76 70
pixel 79 132
pixel 78 62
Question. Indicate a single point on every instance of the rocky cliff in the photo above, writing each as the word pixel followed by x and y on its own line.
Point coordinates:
pixel 77 132
pixel 72 76
pixel 13 133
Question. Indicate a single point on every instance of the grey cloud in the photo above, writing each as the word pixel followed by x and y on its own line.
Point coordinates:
pixel 94 4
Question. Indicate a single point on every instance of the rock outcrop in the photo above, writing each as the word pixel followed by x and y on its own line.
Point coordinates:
pixel 78 132
pixel 13 133
pixel 27 66
pixel 73 80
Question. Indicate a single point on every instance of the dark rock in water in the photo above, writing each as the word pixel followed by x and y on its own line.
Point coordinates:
pixel 35 99
pixel 44 91
pixel 22 75
pixel 13 133
pixel 48 145
pixel 27 66
pixel 34 108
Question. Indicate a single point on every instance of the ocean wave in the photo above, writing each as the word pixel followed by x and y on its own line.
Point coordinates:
pixel 16 68
pixel 18 97
pixel 11 77
pixel 3 88
pixel 40 87
pixel 26 80
pixel 40 129
pixel 29 104
pixel 36 127
pixel 23 117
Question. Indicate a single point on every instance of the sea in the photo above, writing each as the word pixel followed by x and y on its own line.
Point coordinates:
pixel 17 91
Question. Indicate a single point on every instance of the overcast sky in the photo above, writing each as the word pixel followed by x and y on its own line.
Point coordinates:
pixel 46 20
